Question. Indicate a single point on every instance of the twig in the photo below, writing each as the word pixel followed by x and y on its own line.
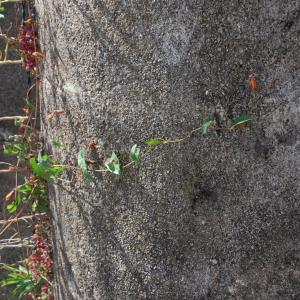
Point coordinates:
pixel 13 170
pixel 13 118
pixel 25 218
pixel 175 141
pixel 16 243
pixel 5 163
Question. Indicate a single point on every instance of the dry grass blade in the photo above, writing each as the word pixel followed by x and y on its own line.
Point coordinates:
pixel 13 118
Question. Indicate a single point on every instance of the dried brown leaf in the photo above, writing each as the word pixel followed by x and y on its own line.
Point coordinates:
pixel 56 112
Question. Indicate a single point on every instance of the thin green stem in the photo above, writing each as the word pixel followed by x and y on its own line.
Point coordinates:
pixel 128 165
pixel 67 167
pixel 175 141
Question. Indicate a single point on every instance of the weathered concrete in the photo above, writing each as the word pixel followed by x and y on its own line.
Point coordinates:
pixel 211 218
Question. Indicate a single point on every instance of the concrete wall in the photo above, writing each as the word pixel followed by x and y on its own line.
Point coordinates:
pixel 210 218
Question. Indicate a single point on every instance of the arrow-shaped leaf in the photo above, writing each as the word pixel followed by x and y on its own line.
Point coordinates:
pixel 135 153
pixel 154 142
pixel 206 124
pixel 81 160
pixel 240 120
pixel 113 164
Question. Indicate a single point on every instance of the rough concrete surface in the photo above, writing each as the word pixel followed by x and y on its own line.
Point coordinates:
pixel 214 217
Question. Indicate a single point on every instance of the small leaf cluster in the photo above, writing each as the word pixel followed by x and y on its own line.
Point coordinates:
pixel 18 146
pixel 22 278
pixel 43 167
pixel 34 193
pixel 238 121
pixel 34 190
pixel 33 275
pixel 112 164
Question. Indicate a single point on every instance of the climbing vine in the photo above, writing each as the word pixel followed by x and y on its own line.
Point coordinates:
pixel 114 165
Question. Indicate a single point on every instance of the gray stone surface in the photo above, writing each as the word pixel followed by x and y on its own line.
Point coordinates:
pixel 210 218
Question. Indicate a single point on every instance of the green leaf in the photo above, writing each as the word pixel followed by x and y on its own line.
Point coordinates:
pixel 135 153
pixel 240 120
pixel 8 281
pixel 40 204
pixel 13 206
pixel 38 169
pixel 17 147
pixel 25 193
pixel 206 124
pixel 34 205
pixel 22 287
pixel 154 142
pixel 22 278
pixel 19 121
pixel 25 270
pixel 43 168
pixel 29 104
pixel 30 286
pixel 113 164
pixel 8 151
pixel 81 160
pixel 25 188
